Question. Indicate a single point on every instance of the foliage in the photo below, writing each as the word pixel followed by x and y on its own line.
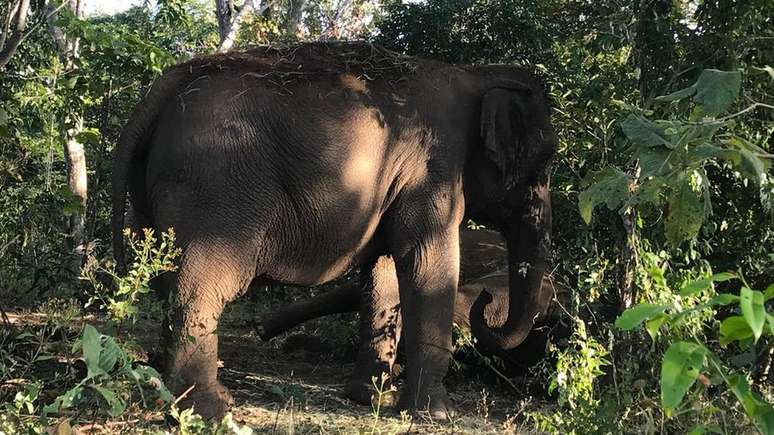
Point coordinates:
pixel 684 361
pixel 152 258
pixel 577 368
pixel 673 155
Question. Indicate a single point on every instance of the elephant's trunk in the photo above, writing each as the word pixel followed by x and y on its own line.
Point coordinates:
pixel 528 241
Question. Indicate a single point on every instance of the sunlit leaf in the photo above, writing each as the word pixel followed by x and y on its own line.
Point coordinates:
pixel 679 369
pixel 753 310
pixel 637 314
pixel 734 328
pixel 699 285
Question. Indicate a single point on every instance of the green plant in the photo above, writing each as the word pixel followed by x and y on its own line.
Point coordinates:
pixel 686 361
pixel 577 368
pixel 672 156
pixel 151 258
pixel 109 371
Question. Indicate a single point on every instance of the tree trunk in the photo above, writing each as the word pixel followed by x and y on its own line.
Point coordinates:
pixel 13 30
pixel 295 13
pixel 74 152
pixel 229 20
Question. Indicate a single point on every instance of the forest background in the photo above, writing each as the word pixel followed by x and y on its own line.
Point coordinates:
pixel 662 190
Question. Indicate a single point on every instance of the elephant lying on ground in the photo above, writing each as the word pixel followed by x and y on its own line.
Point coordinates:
pixel 482 267
pixel 295 164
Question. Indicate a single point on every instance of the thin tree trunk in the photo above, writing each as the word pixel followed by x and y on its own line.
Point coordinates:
pixel 13 30
pixel 229 33
pixel 74 152
pixel 295 13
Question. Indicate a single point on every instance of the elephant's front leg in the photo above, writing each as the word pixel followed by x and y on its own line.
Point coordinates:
pixel 380 326
pixel 427 274
pixel 206 281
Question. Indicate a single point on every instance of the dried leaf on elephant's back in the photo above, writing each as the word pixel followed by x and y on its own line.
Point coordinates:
pixel 609 186
pixel 685 214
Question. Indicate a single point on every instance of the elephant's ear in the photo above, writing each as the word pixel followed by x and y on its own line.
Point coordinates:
pixel 503 130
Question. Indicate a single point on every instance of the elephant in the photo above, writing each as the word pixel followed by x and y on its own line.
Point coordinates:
pixel 483 263
pixel 294 164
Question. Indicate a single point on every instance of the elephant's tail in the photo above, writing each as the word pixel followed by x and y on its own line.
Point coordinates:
pixel 131 145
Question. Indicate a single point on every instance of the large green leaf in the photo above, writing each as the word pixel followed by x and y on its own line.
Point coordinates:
pixel 686 213
pixel 637 314
pixel 716 90
pixel 644 132
pixel 699 285
pixel 734 328
pixel 610 186
pixel 753 310
pixel 90 342
pixel 679 369
pixel 678 95
pixel 760 412
pixel 115 404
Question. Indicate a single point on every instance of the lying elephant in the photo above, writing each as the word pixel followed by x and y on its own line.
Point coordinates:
pixel 483 263
pixel 295 164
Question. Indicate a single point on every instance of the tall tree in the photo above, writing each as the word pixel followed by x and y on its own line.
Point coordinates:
pixel 74 153
pixel 14 23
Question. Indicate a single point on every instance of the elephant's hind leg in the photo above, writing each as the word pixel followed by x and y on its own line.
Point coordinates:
pixel 209 277
pixel 380 325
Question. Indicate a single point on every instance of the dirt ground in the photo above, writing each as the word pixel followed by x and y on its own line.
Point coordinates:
pixel 292 386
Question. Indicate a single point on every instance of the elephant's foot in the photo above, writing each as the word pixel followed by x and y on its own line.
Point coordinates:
pixel 365 393
pixel 431 401
pixel 211 402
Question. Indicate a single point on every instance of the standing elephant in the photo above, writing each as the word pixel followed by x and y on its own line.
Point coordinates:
pixel 482 261
pixel 294 164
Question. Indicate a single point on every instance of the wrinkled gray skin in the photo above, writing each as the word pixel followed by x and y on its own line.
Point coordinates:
pixel 483 268
pixel 294 165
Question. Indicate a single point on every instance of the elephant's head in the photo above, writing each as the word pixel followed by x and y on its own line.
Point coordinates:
pixel 506 186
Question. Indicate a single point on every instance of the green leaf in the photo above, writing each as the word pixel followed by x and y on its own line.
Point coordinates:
pixel 677 95
pixel 716 90
pixel 769 293
pixel 637 314
pixel 723 299
pixel 685 215
pixel 644 132
pixel 90 342
pixel 752 166
pixel 760 412
pixel 109 355
pixel 610 186
pixel 700 285
pixel 88 136
pixel 753 310
pixel 3 116
pixel 653 325
pixel 734 328
pixel 679 370
pixel 117 406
